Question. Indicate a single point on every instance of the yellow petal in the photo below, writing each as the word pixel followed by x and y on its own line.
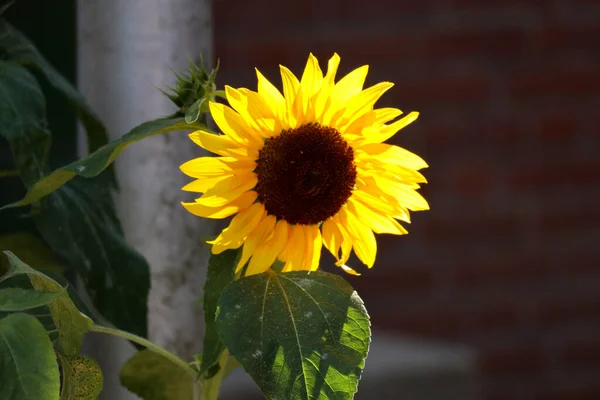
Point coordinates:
pixel 202 185
pixel 332 237
pixel 377 222
pixel 233 125
pixel 255 111
pixel 347 240
pixel 270 94
pixel 386 153
pixel 324 95
pixel 223 145
pixel 223 211
pixel 310 83
pixel 290 90
pixel 351 84
pixel 385 132
pixel 228 190
pixel 257 236
pixel 266 253
pixel 314 243
pixel 391 171
pixel 368 193
pixel 361 103
pixel 240 227
pixel 349 270
pixel 294 251
pixel 373 120
pixel 203 167
pixel 364 243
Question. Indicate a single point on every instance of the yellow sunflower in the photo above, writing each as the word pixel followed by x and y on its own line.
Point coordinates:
pixel 304 169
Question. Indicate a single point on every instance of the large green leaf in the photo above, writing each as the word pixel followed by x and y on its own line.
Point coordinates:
pixel 79 222
pixel 17 299
pixel 153 377
pixel 28 368
pixel 221 269
pixel 22 121
pixel 18 49
pixel 95 163
pixel 71 324
pixel 299 335
pixel 82 378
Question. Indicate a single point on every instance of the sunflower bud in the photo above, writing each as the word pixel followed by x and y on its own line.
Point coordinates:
pixel 193 91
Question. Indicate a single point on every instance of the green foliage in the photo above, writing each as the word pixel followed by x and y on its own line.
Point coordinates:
pixel 192 89
pixel 81 378
pixel 221 268
pixel 23 121
pixel 78 221
pixel 153 377
pixel 20 51
pixel 17 299
pixel 71 324
pixel 93 164
pixel 299 335
pixel 30 249
pixel 28 368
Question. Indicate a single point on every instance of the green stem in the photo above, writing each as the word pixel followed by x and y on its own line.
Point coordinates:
pixel 149 345
pixel 212 385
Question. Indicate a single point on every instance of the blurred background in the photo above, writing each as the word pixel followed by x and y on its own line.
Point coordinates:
pixel 499 284
pixel 507 261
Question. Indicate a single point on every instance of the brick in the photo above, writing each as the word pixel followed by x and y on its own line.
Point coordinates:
pixel 583 353
pixel 403 280
pixel 564 221
pixel 567 310
pixel 559 127
pixel 463 5
pixel 494 44
pixel 557 40
pixel 496 317
pixel 512 361
pixel 562 83
pixel 500 271
pixel 358 8
pixel 246 15
pixel 472 182
pixel 440 90
pixel 556 175
pixel 590 393
pixel 471 227
pixel 431 323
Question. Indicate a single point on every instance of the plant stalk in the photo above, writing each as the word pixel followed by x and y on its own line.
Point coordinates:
pixel 149 345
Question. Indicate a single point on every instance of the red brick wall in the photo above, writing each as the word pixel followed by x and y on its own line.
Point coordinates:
pixel 508 259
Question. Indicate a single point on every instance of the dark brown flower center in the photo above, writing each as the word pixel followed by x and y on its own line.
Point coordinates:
pixel 305 174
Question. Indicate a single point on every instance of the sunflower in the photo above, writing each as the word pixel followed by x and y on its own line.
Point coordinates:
pixel 304 169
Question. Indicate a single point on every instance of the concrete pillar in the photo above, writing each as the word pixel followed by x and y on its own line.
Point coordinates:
pixel 127 48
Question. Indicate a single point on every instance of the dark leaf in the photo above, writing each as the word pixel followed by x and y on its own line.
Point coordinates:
pixel 153 377
pixel 20 50
pixel 79 222
pixel 221 268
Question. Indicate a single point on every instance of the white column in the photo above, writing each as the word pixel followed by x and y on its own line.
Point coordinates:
pixel 127 48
